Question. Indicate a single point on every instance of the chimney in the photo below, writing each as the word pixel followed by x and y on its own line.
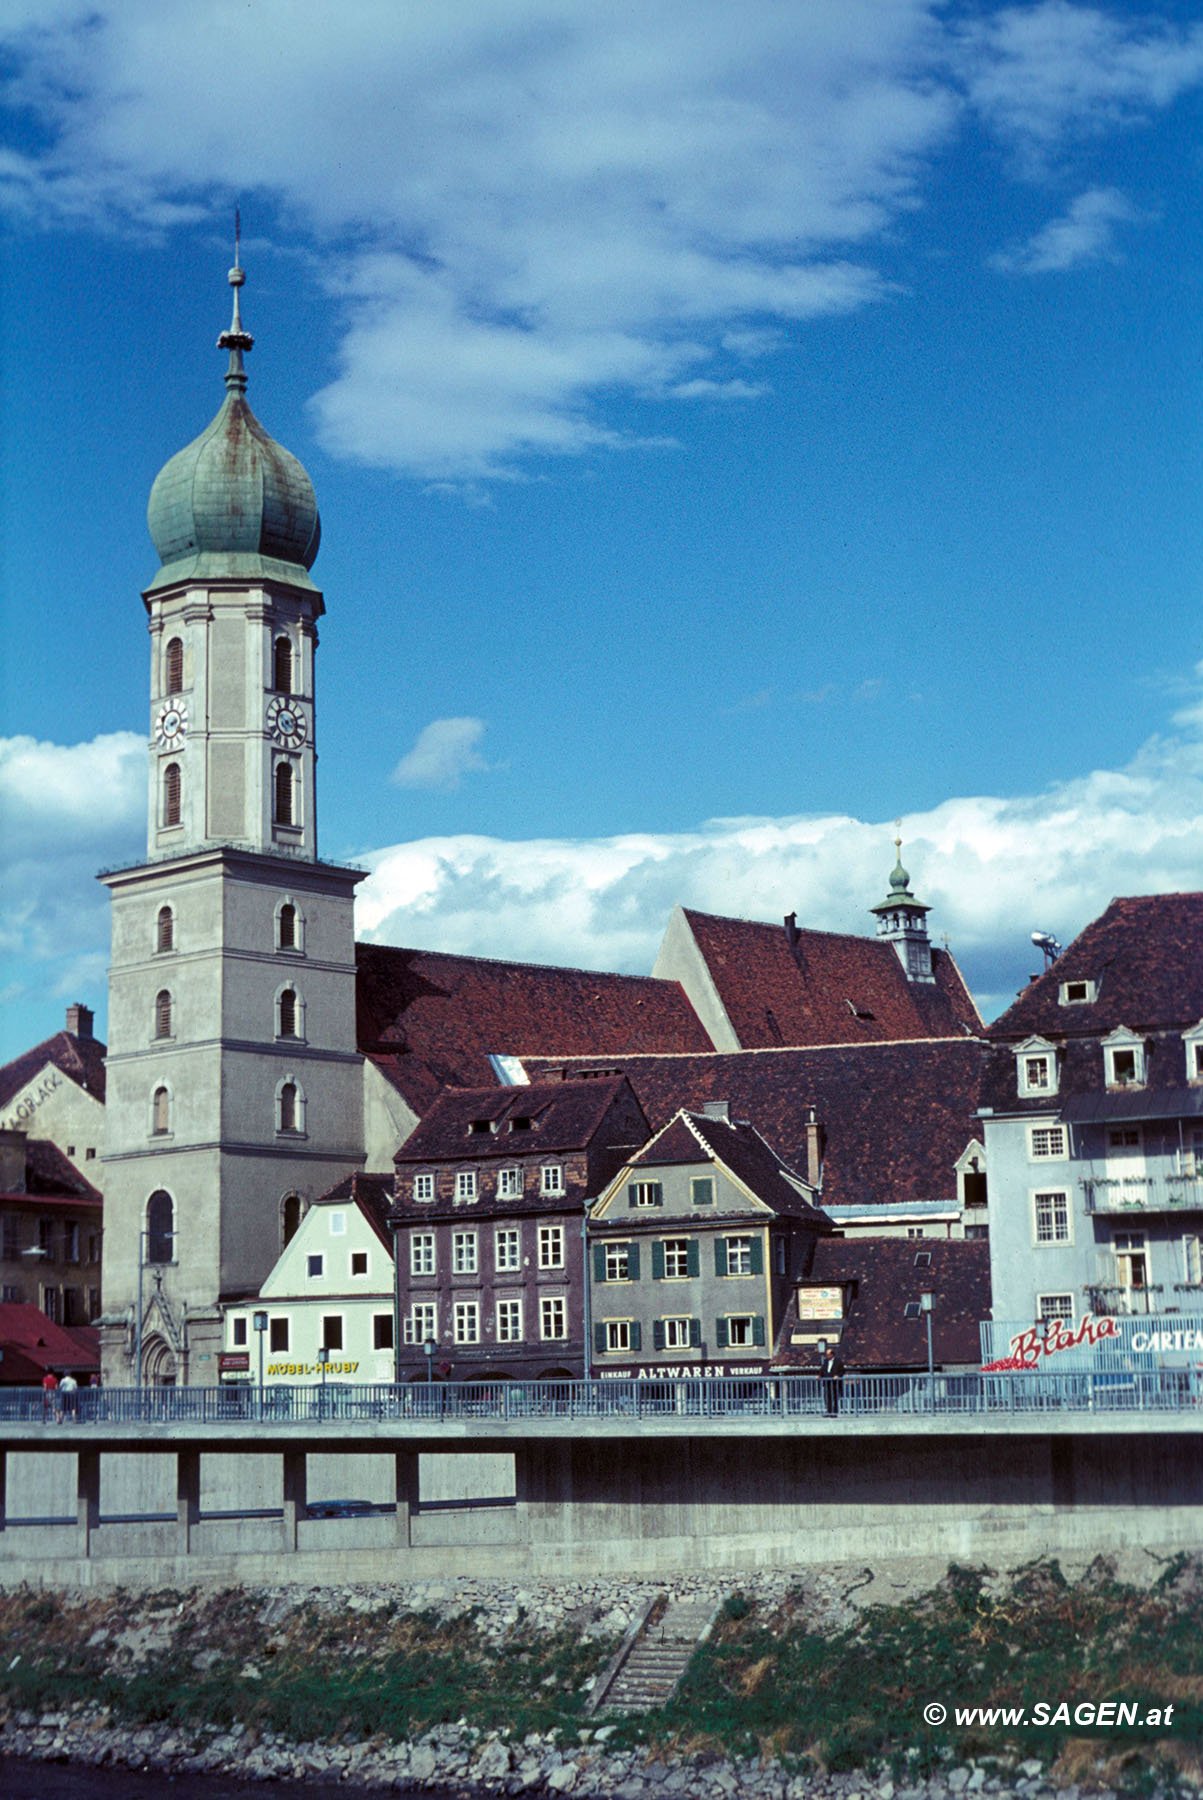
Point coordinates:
pixel 79 1020
pixel 12 1162
pixel 717 1109
pixel 791 929
pixel 814 1142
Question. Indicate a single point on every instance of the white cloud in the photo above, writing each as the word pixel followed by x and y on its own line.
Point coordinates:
pixel 1085 233
pixel 82 794
pixel 445 751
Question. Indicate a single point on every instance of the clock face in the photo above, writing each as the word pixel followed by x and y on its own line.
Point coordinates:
pixel 171 725
pixel 286 722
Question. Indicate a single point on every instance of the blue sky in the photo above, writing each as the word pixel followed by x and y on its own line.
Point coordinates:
pixel 734 428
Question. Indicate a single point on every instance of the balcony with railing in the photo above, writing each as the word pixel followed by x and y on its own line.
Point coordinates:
pixel 1172 1191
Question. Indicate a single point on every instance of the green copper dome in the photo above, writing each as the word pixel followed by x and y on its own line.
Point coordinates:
pixel 234 503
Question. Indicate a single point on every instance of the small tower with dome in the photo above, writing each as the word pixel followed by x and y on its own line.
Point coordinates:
pixel 234 1087
pixel 902 921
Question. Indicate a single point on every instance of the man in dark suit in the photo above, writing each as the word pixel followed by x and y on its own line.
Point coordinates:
pixel 831 1376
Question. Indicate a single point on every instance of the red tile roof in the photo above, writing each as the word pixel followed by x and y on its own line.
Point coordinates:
pixel 895 1117
pixel 32 1344
pixel 563 1115
pixel 80 1058
pixel 1146 957
pixel 735 1143
pixel 431 1021
pixel 824 987
pixel 877 1334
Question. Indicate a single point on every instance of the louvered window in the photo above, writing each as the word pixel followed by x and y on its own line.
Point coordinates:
pixel 162 1014
pixel 284 794
pixel 172 791
pixel 282 666
pixel 174 666
pixel 165 929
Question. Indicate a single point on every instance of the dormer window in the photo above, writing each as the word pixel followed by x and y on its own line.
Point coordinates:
pixel 522 1124
pixel 1124 1059
pixel 424 1187
pixel 1193 1043
pixel 509 1184
pixel 465 1184
pixel 1078 993
pixel 480 1127
pixel 1036 1069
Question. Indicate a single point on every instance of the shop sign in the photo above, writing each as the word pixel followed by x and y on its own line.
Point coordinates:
pixel 681 1371
pixel 1028 1348
pixel 311 1368
pixel 234 1362
pixel 820 1303
pixel 1145 1343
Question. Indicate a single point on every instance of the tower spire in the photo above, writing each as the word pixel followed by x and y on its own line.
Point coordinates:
pixel 236 340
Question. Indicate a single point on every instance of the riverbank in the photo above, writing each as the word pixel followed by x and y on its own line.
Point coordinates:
pixel 811 1686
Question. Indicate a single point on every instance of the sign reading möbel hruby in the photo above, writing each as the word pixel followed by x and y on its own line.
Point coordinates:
pixel 1050 1339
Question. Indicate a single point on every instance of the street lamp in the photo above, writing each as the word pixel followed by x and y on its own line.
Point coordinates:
pixel 429 1347
pixel 925 1300
pixel 260 1329
pixel 323 1357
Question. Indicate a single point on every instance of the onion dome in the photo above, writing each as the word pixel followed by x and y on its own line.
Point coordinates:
pixel 900 889
pixel 234 503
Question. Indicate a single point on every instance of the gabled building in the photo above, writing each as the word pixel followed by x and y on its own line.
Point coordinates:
pixel 55 1092
pixel 695 1248
pixel 866 1297
pixel 50 1232
pixel 887 1135
pixel 762 987
pixel 1093 1121
pixel 491 1193
pixel 327 1306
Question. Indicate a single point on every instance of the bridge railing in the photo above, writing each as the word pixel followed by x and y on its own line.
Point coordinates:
pixel 510 1402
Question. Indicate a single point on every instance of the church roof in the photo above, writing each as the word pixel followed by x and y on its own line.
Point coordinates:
pixel 781 985
pixel 429 1020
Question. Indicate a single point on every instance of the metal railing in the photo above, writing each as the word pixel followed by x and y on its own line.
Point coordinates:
pixel 1150 1193
pixel 515 1402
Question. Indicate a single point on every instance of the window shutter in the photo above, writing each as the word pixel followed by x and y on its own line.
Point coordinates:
pixel 758 1330
pixel 633 1263
pixel 658 1334
pixel 694 1263
pixel 757 1248
pixel 720 1332
pixel 720 1258
pixel 695 1333
pixel 599 1340
pixel 631 1200
pixel 599 1262
pixel 657 1260
pixel 657 1194
pixel 636 1335
pixel 702 1188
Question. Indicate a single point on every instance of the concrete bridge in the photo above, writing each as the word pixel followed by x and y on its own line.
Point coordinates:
pixel 544 1490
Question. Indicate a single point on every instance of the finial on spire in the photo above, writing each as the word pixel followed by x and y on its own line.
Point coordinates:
pixel 236 340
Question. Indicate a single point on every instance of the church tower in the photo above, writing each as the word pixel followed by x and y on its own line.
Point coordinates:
pixel 902 921
pixel 234 1087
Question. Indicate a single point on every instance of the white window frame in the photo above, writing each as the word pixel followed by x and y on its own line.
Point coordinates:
pixel 1053 1306
pixel 424 1188
pixel 1035 1053
pixel 1056 1238
pixel 743 1323
pixel 645 1193
pixel 465 1319
pixel 551 1246
pixel 467 1185
pixel 743 1256
pixel 318 1257
pixel 465 1253
pixel 509 1321
pixel 678 1249
pixel 676 1332
pixel 1037 1152
pixel 1123 1042
pixel 618 1336
pixel 1087 998
pixel 1192 1044
pixel 553 1308
pixel 422 1323
pixel 507 1249
pixel 338 1224
pixel 618 1269
pixel 510 1183
pixel 551 1179
pixel 423 1255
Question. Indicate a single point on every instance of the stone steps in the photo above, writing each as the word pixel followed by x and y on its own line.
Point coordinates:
pixel 652 1668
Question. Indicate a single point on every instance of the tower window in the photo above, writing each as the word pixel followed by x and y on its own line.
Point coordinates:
pixel 163 1014
pixel 288 1013
pixel 160 1227
pixel 289 1110
pixel 173 666
pixel 282 666
pixel 286 927
pixel 161 1112
pixel 290 1218
pixel 284 795
pixel 165 929
pixel 172 788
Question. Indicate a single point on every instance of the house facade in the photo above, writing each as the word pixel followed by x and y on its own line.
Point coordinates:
pixel 488 1218
pixel 1093 1122
pixel 50 1232
pixel 694 1250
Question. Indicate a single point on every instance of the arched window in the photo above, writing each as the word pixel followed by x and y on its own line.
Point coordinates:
pixel 173 661
pixel 161 1112
pixel 162 1014
pixel 282 666
pixel 286 927
pixel 290 1218
pixel 288 1106
pixel 284 785
pixel 160 1227
pixel 165 929
pixel 288 1013
pixel 172 788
